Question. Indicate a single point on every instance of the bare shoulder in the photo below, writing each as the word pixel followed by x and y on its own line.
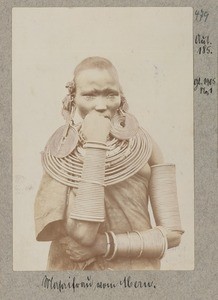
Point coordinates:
pixel 156 157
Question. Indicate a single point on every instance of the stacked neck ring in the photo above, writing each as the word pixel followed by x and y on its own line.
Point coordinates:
pixel 124 158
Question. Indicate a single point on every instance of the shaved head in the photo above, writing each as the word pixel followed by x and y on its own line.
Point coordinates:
pixel 96 62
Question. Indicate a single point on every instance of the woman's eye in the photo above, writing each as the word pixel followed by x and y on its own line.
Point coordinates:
pixel 89 97
pixel 110 96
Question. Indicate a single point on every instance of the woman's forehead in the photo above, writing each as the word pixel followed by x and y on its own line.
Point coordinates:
pixel 97 77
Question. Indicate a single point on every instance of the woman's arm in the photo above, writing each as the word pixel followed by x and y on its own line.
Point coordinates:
pixel 88 207
pixel 173 236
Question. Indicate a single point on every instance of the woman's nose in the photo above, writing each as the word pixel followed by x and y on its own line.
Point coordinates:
pixel 101 104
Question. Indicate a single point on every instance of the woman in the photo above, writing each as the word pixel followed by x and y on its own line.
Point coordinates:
pixel 99 174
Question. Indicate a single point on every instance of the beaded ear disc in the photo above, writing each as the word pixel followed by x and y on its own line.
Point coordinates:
pixel 63 141
pixel 124 126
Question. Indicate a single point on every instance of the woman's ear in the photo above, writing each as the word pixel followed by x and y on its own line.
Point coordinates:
pixel 68 101
pixel 124 105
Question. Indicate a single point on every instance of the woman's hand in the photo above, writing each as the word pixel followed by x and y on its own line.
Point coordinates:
pixel 79 253
pixel 173 238
pixel 96 127
pixel 76 252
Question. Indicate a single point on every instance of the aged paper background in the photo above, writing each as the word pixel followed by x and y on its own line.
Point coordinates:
pixel 152 50
pixel 197 284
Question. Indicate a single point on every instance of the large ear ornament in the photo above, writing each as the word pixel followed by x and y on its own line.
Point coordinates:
pixel 63 141
pixel 124 126
pixel 65 138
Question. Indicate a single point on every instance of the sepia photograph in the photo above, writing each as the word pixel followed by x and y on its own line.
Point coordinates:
pixel 102 110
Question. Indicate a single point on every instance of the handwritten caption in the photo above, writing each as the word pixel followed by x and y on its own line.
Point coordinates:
pixel 204 85
pixel 73 284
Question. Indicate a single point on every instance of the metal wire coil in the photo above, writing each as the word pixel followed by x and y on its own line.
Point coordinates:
pixel 123 160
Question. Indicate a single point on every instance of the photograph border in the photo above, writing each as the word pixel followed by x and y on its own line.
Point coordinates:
pixel 199 283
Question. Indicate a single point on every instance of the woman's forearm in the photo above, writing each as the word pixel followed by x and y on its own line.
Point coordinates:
pixel 151 243
pixel 88 206
pixel 146 244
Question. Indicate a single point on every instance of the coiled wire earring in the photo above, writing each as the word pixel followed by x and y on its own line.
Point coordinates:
pixel 124 124
pixel 66 137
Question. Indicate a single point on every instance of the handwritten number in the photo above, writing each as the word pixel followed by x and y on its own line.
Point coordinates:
pixel 206 14
pixel 201 15
pixel 204 49
pixel 204 85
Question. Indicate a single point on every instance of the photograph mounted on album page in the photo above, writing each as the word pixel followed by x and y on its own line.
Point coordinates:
pixel 103 170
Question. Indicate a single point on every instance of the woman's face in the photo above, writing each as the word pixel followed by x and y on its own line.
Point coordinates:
pixel 97 89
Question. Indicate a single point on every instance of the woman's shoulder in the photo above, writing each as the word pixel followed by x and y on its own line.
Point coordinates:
pixel 156 156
